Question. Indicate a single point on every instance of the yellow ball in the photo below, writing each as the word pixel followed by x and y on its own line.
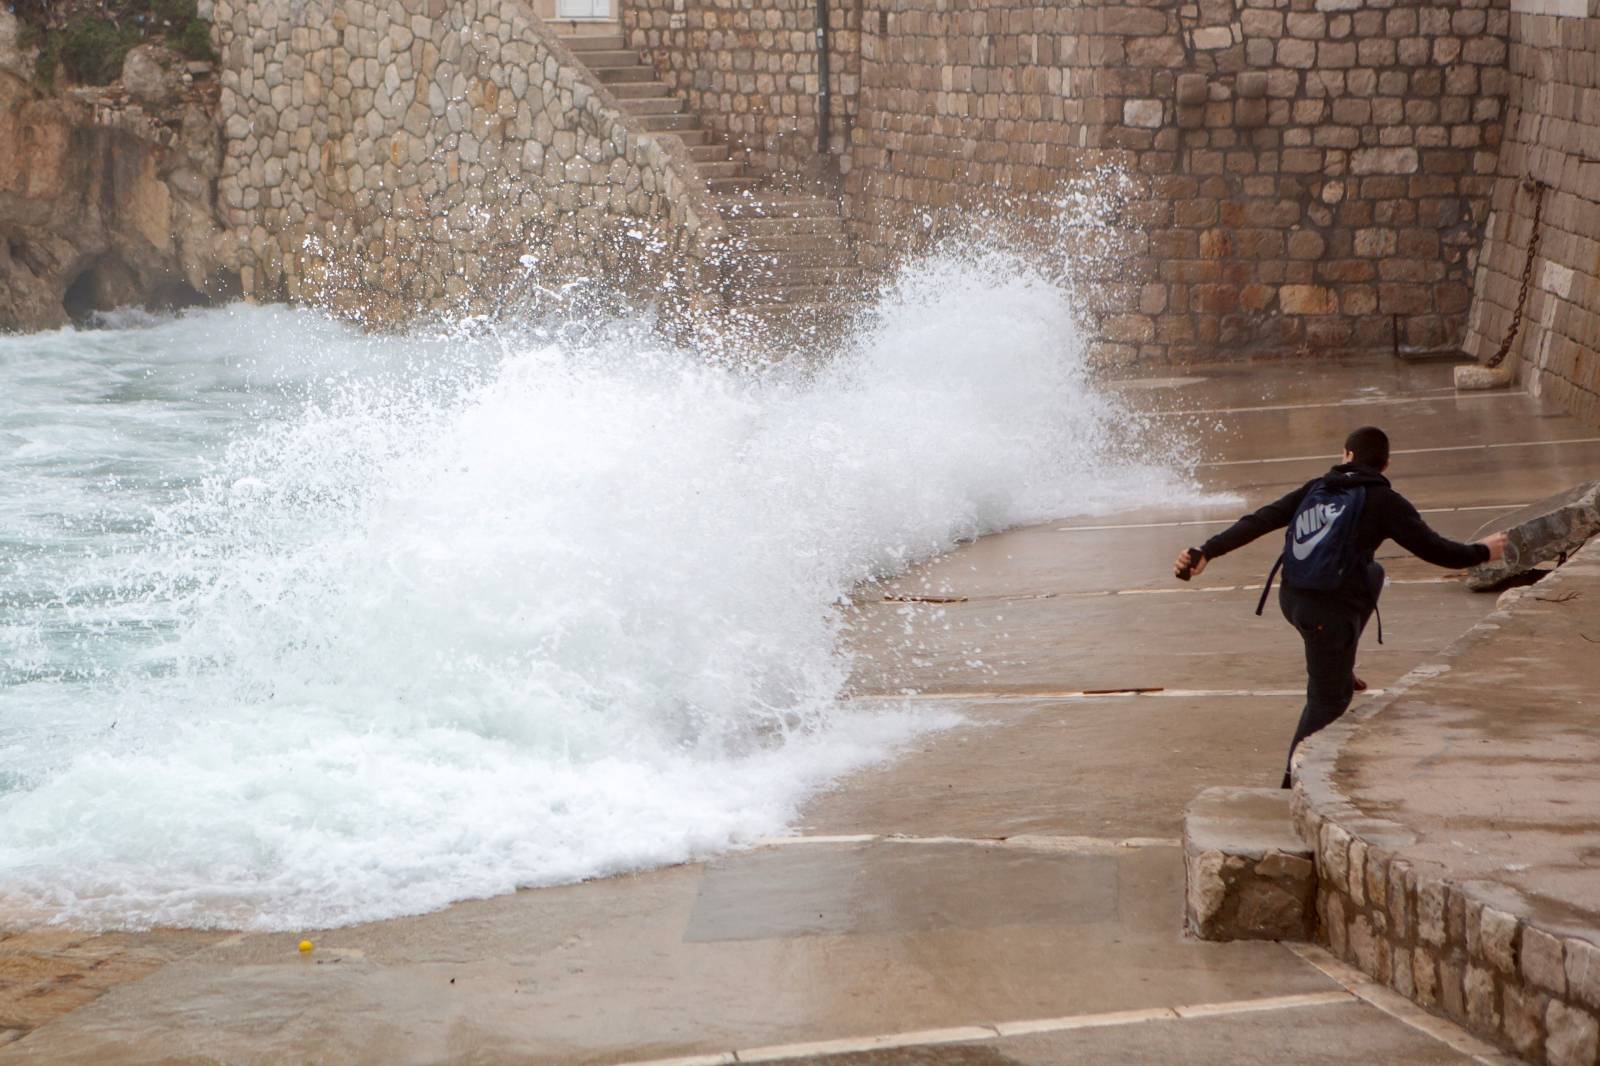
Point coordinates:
pixel 306 946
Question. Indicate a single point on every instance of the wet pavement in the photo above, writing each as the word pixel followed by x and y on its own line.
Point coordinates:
pixel 1486 772
pixel 1008 891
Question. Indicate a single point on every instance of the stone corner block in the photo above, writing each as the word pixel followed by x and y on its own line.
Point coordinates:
pixel 1248 875
pixel 1543 531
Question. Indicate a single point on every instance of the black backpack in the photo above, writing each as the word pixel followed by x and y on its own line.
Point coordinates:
pixel 1319 550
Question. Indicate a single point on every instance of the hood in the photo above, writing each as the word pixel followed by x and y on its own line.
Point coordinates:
pixel 1347 474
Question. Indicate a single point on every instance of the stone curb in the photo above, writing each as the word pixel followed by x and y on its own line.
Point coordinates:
pixel 1473 951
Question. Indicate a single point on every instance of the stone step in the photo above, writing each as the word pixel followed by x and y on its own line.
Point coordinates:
pixel 791 244
pixel 765 227
pixel 674 123
pixel 623 74
pixel 695 138
pixel 640 90
pixel 595 42
pixel 660 105
pixel 724 186
pixel 818 295
pixel 722 168
pixel 709 152
pixel 789 278
pixel 610 57
pixel 834 254
pixel 768 206
pixel 1248 875
pixel 832 310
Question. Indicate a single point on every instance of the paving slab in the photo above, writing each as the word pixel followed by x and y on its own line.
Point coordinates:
pixel 771 946
pixel 1122 642
pixel 1314 1036
pixel 1111 767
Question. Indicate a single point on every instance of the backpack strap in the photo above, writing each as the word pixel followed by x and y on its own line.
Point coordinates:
pixel 1262 604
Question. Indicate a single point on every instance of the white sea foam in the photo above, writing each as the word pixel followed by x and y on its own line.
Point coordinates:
pixel 303 628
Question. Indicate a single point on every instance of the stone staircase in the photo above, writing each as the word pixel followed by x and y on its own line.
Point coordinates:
pixel 790 255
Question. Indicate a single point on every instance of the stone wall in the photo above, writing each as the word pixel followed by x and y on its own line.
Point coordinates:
pixel 390 157
pixel 1553 137
pixel 1447 946
pixel 1309 173
pixel 1298 174
pixel 752 73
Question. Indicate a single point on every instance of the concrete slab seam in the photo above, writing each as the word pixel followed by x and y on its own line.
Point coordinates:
pixel 1086 1021
pixel 1081 696
pixel 974 1033
pixel 1022 842
pixel 1415 451
pixel 1386 401
pixel 917 1038
pixel 1398 1007
pixel 1229 521
pixel 1251 1006
pixel 1106 593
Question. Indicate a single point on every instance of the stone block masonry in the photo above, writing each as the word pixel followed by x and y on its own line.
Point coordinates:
pixel 1553 137
pixel 1305 175
pixel 1288 176
pixel 1309 172
pixel 751 72
pixel 388 158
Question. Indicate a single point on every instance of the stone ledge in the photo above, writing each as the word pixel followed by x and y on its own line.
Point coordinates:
pixel 1247 875
pixel 1514 964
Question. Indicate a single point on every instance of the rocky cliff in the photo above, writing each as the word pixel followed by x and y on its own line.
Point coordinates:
pixel 107 195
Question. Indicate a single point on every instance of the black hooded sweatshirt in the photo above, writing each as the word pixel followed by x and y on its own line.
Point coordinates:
pixel 1387 515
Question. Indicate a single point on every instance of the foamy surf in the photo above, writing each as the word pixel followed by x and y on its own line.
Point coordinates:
pixel 304 627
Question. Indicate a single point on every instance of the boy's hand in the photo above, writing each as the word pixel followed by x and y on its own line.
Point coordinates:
pixel 1496 543
pixel 1188 565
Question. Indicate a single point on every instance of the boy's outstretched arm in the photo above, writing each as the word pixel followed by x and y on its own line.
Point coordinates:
pixel 1413 534
pixel 1274 515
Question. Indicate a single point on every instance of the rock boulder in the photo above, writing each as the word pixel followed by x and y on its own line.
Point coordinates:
pixel 152 75
pixel 13 59
pixel 98 214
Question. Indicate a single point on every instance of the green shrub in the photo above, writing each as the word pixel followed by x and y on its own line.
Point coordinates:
pixel 194 40
pixel 44 67
pixel 187 33
pixel 176 14
pixel 91 50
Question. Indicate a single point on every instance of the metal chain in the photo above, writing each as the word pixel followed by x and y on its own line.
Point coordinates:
pixel 1538 188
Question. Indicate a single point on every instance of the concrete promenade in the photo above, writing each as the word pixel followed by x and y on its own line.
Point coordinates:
pixel 1007 892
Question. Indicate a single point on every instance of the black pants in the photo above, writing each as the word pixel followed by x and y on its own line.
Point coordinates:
pixel 1331 627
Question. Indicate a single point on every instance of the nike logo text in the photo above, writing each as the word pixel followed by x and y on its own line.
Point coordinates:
pixel 1312 525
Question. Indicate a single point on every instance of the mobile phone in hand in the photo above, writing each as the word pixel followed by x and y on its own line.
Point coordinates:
pixel 1192 561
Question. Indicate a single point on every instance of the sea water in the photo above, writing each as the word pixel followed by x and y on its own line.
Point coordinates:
pixel 301 627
